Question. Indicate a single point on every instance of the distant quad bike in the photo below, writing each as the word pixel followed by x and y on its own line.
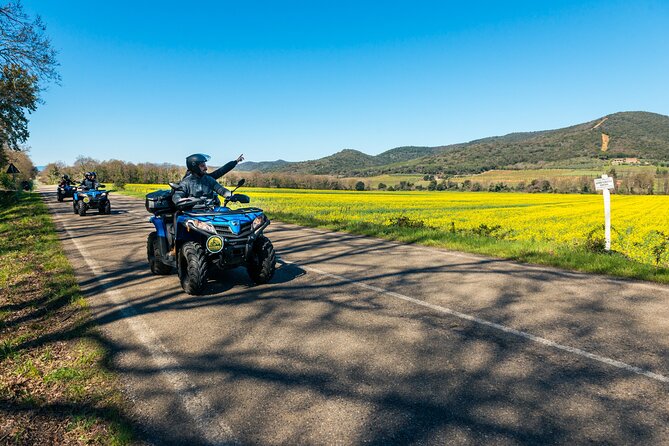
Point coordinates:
pixel 85 199
pixel 199 238
pixel 65 191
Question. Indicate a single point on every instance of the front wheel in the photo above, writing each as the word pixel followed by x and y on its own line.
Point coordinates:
pixel 262 264
pixel 106 209
pixel 82 209
pixel 59 196
pixel 153 255
pixel 193 268
pixel 75 206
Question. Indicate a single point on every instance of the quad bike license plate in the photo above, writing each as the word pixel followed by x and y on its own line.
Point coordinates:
pixel 214 244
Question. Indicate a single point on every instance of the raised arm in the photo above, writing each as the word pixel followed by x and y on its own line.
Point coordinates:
pixel 218 173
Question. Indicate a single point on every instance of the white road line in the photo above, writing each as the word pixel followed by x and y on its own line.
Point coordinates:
pixel 210 425
pixel 522 334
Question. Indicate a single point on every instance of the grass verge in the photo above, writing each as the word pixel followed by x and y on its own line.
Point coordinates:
pixel 540 253
pixel 55 386
pixel 573 259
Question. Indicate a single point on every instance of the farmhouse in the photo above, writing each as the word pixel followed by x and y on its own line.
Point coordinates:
pixel 620 161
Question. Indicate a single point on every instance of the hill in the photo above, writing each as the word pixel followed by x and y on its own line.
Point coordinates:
pixel 248 166
pixel 632 134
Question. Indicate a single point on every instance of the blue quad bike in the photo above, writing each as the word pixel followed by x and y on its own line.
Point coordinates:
pixel 65 191
pixel 198 238
pixel 85 199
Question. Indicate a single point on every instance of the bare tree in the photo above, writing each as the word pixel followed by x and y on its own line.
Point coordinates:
pixel 23 43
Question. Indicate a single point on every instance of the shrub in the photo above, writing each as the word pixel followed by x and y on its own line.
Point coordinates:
pixel 595 240
pixel 407 222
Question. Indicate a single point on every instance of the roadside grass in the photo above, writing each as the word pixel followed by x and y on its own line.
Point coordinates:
pixel 569 257
pixel 540 253
pixel 55 386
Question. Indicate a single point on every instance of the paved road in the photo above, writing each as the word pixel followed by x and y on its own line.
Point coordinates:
pixel 362 341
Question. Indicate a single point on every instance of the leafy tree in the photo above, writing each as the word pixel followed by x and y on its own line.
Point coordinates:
pixel 18 94
pixel 28 62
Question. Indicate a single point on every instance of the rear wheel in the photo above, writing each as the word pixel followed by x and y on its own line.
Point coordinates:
pixel 193 268
pixel 263 262
pixel 153 255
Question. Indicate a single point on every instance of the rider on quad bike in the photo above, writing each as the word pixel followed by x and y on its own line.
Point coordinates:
pixel 66 188
pixel 90 181
pixel 65 181
pixel 91 195
pixel 196 235
pixel 197 183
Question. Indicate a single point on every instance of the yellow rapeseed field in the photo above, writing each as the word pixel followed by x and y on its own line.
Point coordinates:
pixel 640 223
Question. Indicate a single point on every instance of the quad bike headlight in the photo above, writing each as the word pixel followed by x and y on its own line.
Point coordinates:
pixel 258 221
pixel 197 224
pixel 87 199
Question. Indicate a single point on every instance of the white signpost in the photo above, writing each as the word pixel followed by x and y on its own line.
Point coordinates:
pixel 605 184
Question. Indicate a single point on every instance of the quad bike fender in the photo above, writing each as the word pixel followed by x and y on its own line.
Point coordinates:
pixel 161 236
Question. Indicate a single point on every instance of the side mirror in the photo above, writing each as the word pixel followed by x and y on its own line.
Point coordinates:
pixel 102 186
pixel 241 182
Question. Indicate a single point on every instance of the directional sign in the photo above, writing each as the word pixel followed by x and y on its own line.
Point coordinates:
pixel 12 169
pixel 604 183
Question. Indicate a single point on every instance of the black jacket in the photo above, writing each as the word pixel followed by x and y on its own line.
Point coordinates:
pixel 89 184
pixel 205 185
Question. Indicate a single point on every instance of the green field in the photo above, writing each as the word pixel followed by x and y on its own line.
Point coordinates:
pixel 389 180
pixel 509 177
pixel 564 230
pixel 516 176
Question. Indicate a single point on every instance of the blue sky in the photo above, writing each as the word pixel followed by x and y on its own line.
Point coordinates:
pixel 158 80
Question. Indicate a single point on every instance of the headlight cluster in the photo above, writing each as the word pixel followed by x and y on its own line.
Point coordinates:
pixel 87 199
pixel 208 227
pixel 258 221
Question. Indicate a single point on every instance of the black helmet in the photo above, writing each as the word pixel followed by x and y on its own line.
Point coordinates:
pixel 94 175
pixel 66 177
pixel 193 161
pixel 87 174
